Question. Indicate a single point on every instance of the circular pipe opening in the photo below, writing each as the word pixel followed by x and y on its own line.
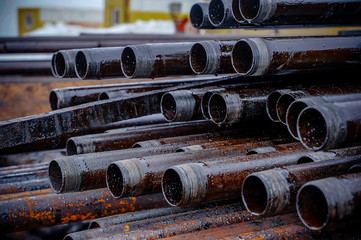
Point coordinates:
pixel 305 159
pixel 60 64
pixel 249 8
pixel 216 12
pixel 115 180
pixel 93 225
pixel 196 16
pixel 282 105
pixel 205 103
pixel 217 108
pixel 312 129
pixel 236 11
pixel 198 58
pixel 242 57
pixel 128 62
pixel 71 147
pixel 271 105
pixel 81 65
pixel 292 114
pixel 168 106
pixel 254 195
pixel 56 176
pixel 312 206
pixel 172 187
pixel 137 145
pixel 103 96
pixel 53 99
pixel 53 66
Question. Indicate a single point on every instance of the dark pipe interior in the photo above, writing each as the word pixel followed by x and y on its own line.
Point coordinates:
pixel 169 106
pixel 255 194
pixel 104 96
pixel 60 64
pixel 291 119
pixel 71 148
pixel 128 62
pixel 198 58
pixel 196 15
pixel 115 180
pixel 205 101
pixel 217 108
pixel 172 186
pixel 81 64
pixel 55 176
pixel 249 8
pixel 312 128
pixel 242 57
pixel 53 99
pixel 216 12
pixel 283 103
pixel 94 225
pixel 272 105
pixel 312 206
pixel 305 159
pixel 236 11
pixel 53 65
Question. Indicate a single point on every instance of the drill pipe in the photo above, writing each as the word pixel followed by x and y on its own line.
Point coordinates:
pixel 199 16
pixel 16 176
pixel 233 230
pixel 309 12
pixel 182 105
pixel 232 107
pixel 272 192
pixel 271 104
pixel 225 14
pixel 23 167
pixel 25 186
pixel 51 130
pixel 138 176
pixel 31 159
pixel 330 125
pixel 86 171
pixel 126 138
pixel 65 63
pixel 53 66
pixel 19 195
pixel 296 107
pixel 212 57
pixel 170 230
pixel 151 223
pixel 192 183
pixel 333 93
pixel 273 56
pixel 52 209
pixel 98 63
pixel 330 202
pixel 156 60
pixel 205 101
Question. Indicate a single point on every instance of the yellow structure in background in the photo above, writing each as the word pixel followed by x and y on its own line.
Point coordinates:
pixel 116 11
pixel 28 20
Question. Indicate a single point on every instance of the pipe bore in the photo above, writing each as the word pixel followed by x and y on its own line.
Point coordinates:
pixel 242 57
pixel 271 104
pixel 292 114
pixel 217 109
pixel 254 195
pixel 282 105
pixel 103 96
pixel 249 8
pixel 128 63
pixel 55 176
pixel 54 100
pixel 216 12
pixel 172 187
pixel 198 58
pixel 236 11
pixel 196 16
pixel 53 66
pixel 205 103
pixel 60 64
pixel 81 65
pixel 115 180
pixel 71 147
pixel 169 107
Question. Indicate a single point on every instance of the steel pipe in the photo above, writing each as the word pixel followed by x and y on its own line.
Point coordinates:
pixel 225 14
pixel 65 63
pixel 199 16
pixel 24 186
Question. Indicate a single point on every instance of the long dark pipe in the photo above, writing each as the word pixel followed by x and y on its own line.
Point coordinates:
pixel 98 63
pixel 156 60
pixel 330 203
pixel 330 125
pixel 225 14
pixel 272 56
pixel 24 186
pixel 310 12
pixel 199 16
pixel 272 192
pixel 212 57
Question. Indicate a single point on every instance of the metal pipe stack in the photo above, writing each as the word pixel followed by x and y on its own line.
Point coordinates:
pixel 198 157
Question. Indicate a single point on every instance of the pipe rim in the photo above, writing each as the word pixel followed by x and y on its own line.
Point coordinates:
pixel 60 64
pixel 257 11
pixel 71 147
pixel 236 11
pixel 115 180
pixel 218 109
pixel 82 66
pixel 54 100
pixel 216 12
pixel 198 58
pixel 128 62
pixel 196 16
pixel 53 66
pixel 56 176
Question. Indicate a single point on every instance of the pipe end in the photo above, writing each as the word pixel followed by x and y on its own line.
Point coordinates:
pixel 225 108
pixel 216 12
pixel 178 105
pixel 64 175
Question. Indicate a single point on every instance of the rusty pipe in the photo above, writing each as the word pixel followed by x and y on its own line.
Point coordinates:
pixel 272 192
pixel 52 209
pixel 310 12
pixel 65 63
pixel 212 57
pixel 296 107
pixel 271 104
pixel 329 126
pixel 225 14
pixel 205 101
pixel 199 16
pixel 156 60
pixel 330 203
pixel 18 195
pixel 86 171
pixel 273 56
pixel 97 63
pixel 24 186
pixel 20 176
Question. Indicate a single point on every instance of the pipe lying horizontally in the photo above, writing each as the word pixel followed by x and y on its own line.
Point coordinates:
pixel 116 140
pixel 97 63
pixel 52 209
pixel 330 125
pixel 138 176
pixel 65 63
pixel 232 107
pixel 310 12
pixel 152 223
pixel 212 57
pixel 24 176
pixel 207 181
pixel 273 56
pixel 198 16
pixel 29 159
pixel 25 186
pixel 156 60
pixel 86 171
pixel 296 107
pixel 18 195
pixel 272 192
pixel 225 14
pixel 271 104
pixel 332 93
pixel 330 203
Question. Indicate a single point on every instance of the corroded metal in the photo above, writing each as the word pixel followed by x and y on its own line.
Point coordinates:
pixel 64 62
pixel 25 186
